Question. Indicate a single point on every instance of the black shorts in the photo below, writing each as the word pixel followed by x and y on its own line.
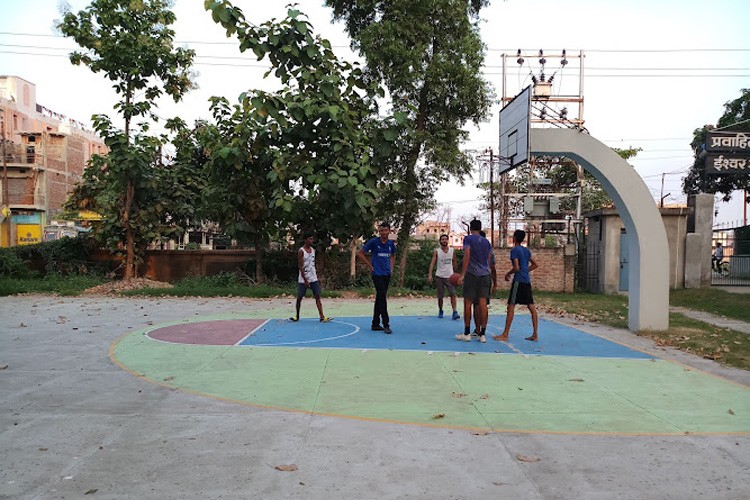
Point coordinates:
pixel 314 286
pixel 477 287
pixel 520 293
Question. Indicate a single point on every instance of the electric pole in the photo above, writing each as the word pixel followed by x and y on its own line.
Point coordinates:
pixel 6 201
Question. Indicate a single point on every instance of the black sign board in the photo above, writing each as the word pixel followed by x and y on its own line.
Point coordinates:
pixel 737 142
pixel 728 163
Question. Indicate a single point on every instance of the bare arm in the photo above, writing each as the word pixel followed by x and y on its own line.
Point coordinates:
pixel 432 265
pixel 361 255
pixel 532 264
pixel 301 265
pixel 516 267
pixel 465 266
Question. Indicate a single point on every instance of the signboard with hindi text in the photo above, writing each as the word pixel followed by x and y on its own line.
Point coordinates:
pixel 727 163
pixel 727 152
pixel 737 142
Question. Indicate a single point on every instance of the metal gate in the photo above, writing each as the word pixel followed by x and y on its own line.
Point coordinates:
pixel 734 267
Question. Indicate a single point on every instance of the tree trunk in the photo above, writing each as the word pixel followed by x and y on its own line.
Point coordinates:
pixel 260 277
pixel 353 260
pixel 130 267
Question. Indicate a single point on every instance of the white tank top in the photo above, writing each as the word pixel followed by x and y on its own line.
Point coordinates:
pixel 444 263
pixel 309 266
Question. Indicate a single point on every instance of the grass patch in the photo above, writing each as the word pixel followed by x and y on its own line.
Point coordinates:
pixel 726 346
pixel 52 283
pixel 714 301
pixel 610 310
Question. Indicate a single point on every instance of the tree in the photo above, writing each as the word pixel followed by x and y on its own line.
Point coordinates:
pixel 300 156
pixel 131 42
pixel 736 117
pixel 429 55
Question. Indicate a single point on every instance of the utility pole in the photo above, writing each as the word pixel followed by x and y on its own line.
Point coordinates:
pixel 492 199
pixel 6 201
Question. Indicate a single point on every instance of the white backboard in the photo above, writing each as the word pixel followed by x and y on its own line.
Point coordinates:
pixel 514 131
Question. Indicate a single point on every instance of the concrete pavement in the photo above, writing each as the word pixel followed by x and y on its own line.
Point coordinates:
pixel 75 425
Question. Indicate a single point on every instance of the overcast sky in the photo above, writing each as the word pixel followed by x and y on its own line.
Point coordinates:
pixel 654 70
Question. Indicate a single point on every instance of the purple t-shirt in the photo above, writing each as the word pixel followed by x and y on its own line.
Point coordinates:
pixel 480 252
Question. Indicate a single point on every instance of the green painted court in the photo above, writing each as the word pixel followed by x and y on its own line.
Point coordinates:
pixel 570 382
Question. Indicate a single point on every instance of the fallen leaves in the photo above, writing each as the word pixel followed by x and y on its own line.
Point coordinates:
pixel 438 416
pixel 458 394
pixel 527 458
pixel 731 412
pixel 286 468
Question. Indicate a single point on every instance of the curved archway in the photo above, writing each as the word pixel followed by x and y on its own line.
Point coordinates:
pixel 648 298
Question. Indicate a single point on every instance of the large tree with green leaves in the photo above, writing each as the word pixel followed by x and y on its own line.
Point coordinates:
pixel 132 43
pixel 429 56
pixel 736 117
pixel 301 155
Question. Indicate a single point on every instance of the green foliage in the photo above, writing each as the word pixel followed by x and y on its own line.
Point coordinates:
pixel 12 265
pixel 736 117
pixel 429 55
pixel 296 158
pixel 131 42
pixel 66 256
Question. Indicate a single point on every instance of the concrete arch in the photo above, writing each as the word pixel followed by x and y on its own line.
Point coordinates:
pixel 648 298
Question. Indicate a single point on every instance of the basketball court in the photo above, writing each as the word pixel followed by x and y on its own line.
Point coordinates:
pixel 569 382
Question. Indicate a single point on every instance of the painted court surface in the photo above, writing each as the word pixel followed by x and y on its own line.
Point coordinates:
pixel 569 382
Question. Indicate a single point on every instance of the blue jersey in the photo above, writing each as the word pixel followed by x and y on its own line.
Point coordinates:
pixel 480 253
pixel 381 255
pixel 523 255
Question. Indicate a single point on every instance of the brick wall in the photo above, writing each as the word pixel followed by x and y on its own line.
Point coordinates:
pixel 556 270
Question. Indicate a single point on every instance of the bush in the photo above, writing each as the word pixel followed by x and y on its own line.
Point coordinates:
pixel 11 265
pixel 66 256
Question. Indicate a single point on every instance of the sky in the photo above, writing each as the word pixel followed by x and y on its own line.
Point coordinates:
pixel 654 70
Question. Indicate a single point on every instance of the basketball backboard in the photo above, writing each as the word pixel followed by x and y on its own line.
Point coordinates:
pixel 514 131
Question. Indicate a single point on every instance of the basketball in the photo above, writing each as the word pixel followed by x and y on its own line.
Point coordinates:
pixel 454 279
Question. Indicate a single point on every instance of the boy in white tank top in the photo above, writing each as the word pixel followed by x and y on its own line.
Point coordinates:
pixel 308 277
pixel 446 263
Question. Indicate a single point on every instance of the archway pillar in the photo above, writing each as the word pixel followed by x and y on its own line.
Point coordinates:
pixel 648 296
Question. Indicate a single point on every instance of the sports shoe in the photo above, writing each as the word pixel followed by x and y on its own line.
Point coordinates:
pixel 440 314
pixel 293 319
pixel 388 330
pixel 456 315
pixel 482 339
pixel 463 338
pixel 326 319
pixel 377 328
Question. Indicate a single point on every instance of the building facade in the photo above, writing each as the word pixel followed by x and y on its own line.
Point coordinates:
pixel 44 155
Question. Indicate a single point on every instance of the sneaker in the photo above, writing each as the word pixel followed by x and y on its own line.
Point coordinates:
pixel 326 319
pixel 440 314
pixel 388 330
pixel 482 339
pixel 293 319
pixel 475 333
pixel 456 315
pixel 463 338
pixel 377 328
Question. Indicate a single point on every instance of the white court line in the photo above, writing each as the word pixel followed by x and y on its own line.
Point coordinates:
pixel 356 330
pixel 252 331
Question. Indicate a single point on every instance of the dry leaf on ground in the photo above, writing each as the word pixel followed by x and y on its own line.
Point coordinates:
pixel 527 458
pixel 438 415
pixel 286 468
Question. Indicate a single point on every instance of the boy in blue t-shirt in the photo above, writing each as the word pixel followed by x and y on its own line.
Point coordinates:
pixel 520 290
pixel 382 259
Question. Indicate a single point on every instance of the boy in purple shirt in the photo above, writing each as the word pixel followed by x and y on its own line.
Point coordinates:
pixel 476 278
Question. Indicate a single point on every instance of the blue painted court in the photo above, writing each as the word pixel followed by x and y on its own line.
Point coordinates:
pixel 426 333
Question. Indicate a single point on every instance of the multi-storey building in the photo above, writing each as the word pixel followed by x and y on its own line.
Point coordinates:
pixel 44 155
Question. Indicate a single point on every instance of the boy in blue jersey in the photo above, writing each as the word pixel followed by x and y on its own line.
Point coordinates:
pixel 382 260
pixel 477 281
pixel 520 290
